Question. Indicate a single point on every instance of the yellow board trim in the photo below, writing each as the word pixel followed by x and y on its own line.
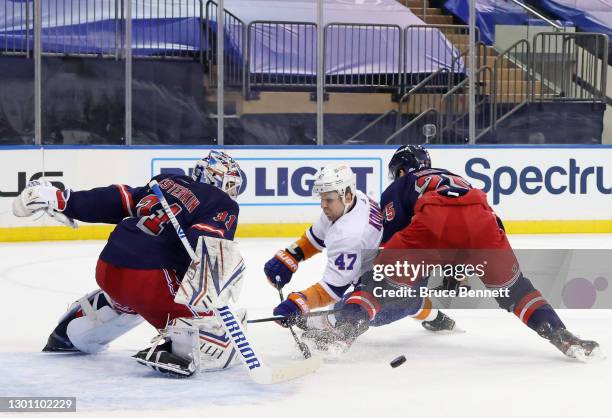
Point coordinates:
pixel 559 227
pixel 290 230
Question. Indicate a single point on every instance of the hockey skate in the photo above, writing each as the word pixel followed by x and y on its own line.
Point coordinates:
pixel 569 344
pixel 58 341
pixel 441 323
pixel 159 357
pixel 188 345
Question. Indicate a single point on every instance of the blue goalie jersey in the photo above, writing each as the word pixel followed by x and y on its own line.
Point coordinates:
pixel 144 237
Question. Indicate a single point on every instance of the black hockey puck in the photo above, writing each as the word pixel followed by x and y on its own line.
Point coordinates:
pixel 398 361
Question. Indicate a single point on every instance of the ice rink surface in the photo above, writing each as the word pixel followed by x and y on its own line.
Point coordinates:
pixel 498 368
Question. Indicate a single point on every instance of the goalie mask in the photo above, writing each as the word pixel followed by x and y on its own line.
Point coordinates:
pixel 220 170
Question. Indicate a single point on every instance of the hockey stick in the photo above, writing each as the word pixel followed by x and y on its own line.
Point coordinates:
pixel 258 371
pixel 303 347
pixel 280 318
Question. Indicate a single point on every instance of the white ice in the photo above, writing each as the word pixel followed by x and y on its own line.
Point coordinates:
pixel 498 368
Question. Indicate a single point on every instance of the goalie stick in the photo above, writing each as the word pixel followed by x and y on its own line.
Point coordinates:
pixel 258 371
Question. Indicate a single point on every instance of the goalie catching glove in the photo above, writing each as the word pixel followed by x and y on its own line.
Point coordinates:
pixel 43 196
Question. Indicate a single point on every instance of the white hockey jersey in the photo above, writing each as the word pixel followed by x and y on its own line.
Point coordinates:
pixel 351 243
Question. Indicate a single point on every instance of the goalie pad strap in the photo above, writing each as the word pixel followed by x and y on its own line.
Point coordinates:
pixel 88 309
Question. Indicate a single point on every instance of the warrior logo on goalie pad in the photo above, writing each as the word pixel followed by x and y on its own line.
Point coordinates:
pixel 205 341
pixel 240 341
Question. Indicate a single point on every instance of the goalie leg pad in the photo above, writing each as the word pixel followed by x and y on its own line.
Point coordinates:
pixel 205 341
pixel 92 333
pixel 220 272
pixel 89 325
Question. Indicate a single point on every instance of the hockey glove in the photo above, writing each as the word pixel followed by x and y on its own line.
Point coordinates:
pixel 43 196
pixel 292 309
pixel 280 268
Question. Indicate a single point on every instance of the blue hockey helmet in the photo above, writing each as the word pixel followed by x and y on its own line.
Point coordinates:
pixel 220 170
pixel 409 158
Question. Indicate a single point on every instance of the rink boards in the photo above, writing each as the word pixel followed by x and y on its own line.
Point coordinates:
pixel 534 189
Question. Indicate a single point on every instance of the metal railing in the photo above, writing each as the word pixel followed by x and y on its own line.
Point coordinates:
pixel 427 44
pixel 425 97
pixel 554 67
pixel 180 35
pixel 440 81
pixel 570 66
pixel 235 41
pixel 269 66
pixel 409 133
pixel 16 30
pixel 386 57
pixel 537 14
pixel 82 28
pixel 97 28
pixel 370 126
pixel 453 121
pixel 374 53
pixel 512 81
pixel 426 94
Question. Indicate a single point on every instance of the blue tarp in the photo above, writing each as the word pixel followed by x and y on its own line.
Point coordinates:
pixel 165 27
pixel 490 13
pixel 95 27
pixel 587 15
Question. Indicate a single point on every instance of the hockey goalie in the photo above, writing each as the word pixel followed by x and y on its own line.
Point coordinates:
pixel 140 268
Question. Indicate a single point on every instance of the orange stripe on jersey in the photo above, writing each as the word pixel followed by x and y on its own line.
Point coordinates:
pixel 317 296
pixel 425 310
pixel 307 248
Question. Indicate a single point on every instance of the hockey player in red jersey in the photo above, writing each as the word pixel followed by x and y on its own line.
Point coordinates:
pixel 432 213
pixel 143 262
